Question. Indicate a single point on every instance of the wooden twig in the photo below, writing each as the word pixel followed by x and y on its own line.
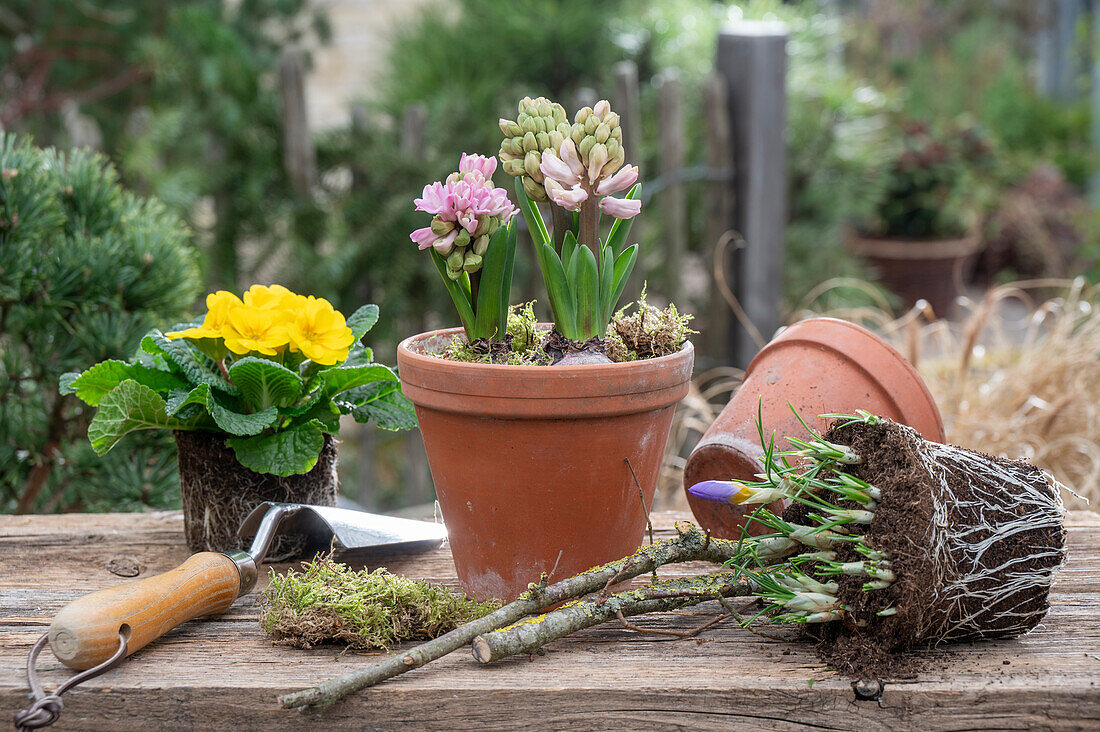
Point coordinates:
pixel 687 546
pixel 530 635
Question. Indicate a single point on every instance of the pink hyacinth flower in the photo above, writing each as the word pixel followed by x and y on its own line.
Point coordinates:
pixel 568 198
pixel 618 182
pixel 424 237
pixel 482 164
pixel 568 154
pixel 554 167
pixel 620 208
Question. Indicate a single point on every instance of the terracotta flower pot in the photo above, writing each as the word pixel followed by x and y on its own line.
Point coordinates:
pixel 530 462
pixel 820 366
pixel 929 269
pixel 218 493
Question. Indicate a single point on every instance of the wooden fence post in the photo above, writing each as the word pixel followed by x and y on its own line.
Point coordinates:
pixel 670 121
pixel 298 155
pixel 626 102
pixel 752 59
pixel 719 207
pixel 626 105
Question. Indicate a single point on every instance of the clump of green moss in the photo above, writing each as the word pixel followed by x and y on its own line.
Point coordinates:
pixel 649 332
pixel 327 602
pixel 522 344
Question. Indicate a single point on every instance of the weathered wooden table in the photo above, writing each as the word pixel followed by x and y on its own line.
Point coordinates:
pixel 223 673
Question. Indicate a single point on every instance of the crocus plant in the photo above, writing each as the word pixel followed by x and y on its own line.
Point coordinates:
pixel 472 244
pixel 272 371
pixel 574 168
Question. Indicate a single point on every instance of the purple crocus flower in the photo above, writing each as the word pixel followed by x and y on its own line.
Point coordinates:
pixel 721 491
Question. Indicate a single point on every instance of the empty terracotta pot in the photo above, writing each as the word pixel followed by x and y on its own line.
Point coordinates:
pixel 820 366
pixel 530 462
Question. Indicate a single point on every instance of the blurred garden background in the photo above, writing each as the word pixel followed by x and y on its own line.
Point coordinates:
pixel 285 139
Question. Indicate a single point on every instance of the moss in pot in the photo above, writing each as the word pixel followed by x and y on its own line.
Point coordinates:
pixel 253 392
pixel 545 442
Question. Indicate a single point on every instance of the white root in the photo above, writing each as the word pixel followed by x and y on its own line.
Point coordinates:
pixel 966 529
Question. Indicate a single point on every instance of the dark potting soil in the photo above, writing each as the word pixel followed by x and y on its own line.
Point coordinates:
pixel 218 493
pixel 866 645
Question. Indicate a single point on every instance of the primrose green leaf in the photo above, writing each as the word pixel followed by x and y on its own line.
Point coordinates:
pixel 359 355
pixel 129 407
pixel 289 452
pixel 338 379
pixel 392 411
pixel 265 383
pixel 98 381
pixel 235 423
pixel 362 320
pixel 196 367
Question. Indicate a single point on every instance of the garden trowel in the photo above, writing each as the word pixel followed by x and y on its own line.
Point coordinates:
pixel 112 623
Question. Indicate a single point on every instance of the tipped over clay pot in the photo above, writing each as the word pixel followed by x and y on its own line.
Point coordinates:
pixel 820 366
pixel 530 462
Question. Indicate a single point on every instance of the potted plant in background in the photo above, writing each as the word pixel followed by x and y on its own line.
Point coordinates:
pixel 924 235
pixel 544 441
pixel 254 393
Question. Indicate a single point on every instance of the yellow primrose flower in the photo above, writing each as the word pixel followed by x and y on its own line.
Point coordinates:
pixel 320 332
pixel 251 329
pixel 218 305
pixel 273 297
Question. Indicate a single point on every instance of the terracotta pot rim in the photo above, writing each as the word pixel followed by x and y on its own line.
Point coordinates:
pixel 894 247
pixel 561 372
pixel 873 341
pixel 498 390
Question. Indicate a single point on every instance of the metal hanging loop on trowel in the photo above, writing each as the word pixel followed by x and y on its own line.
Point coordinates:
pixel 86 631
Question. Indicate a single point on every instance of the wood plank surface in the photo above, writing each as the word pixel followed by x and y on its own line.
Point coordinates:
pixel 223 673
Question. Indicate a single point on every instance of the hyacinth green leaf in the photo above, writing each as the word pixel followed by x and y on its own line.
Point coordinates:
pixel 265 383
pixel 195 366
pixel 289 452
pixel 341 379
pixel 607 277
pixel 460 295
pixel 568 249
pixel 228 420
pixel 509 268
pixel 390 411
pixel 559 293
pixel 362 320
pixel 489 321
pixel 129 407
pixel 99 380
pixel 587 284
pixel 624 264
pixel 616 238
pixel 531 214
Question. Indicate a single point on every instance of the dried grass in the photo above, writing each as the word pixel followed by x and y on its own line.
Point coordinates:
pixel 1016 375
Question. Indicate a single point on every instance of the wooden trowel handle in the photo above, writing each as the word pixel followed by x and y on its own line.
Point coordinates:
pixel 85 632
